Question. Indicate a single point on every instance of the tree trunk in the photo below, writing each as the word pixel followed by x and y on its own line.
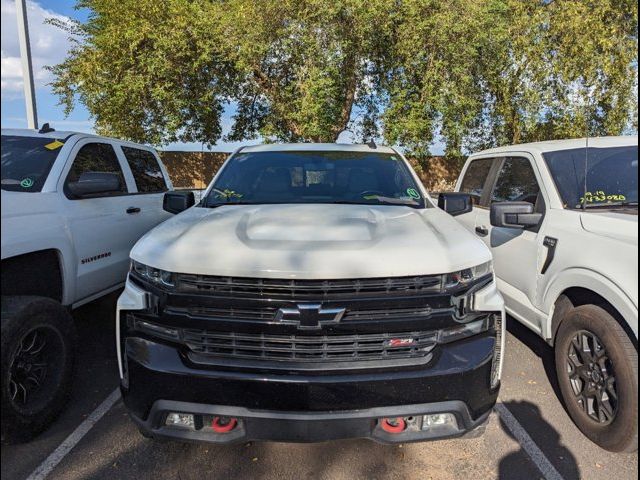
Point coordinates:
pixel 349 96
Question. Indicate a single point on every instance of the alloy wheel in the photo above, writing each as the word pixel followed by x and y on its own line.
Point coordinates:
pixel 35 366
pixel 592 377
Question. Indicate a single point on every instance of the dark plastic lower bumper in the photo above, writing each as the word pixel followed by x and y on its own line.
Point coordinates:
pixel 310 427
pixel 300 407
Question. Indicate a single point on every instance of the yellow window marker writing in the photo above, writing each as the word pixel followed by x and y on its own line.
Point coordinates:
pixel 54 145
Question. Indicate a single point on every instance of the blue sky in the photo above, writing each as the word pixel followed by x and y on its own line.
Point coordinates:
pixel 48 47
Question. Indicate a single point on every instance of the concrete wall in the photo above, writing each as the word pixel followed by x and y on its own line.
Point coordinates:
pixel 194 170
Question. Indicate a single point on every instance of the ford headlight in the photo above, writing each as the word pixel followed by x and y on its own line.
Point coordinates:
pixel 468 275
pixel 153 275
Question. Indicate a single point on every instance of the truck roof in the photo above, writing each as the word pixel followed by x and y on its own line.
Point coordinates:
pixel 27 132
pixel 63 134
pixel 569 144
pixel 317 147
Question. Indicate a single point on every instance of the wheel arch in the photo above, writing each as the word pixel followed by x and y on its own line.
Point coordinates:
pixel 577 296
pixel 38 273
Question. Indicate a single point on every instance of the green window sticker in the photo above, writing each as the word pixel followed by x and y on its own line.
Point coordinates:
pixel 413 193
pixel 26 183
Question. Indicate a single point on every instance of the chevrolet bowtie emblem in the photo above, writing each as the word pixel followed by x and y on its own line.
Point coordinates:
pixel 309 316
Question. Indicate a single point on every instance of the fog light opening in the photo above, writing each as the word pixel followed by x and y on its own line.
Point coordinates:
pixel 223 424
pixel 180 420
pixel 393 425
pixel 439 420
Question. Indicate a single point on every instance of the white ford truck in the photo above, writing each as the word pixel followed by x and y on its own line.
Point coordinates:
pixel 73 205
pixel 565 251
pixel 314 293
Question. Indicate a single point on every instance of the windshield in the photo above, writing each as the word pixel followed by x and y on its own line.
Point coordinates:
pixel 26 162
pixel 612 176
pixel 315 177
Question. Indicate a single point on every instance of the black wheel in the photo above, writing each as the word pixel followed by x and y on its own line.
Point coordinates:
pixel 38 344
pixel 597 368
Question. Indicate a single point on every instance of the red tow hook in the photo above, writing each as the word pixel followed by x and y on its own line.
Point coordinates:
pixel 223 424
pixel 393 425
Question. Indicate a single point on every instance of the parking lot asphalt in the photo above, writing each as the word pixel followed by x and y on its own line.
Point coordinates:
pixel 113 448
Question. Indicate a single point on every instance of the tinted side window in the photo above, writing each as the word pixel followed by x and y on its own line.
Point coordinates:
pixel 145 169
pixel 612 175
pixel 516 182
pixel 476 177
pixel 96 157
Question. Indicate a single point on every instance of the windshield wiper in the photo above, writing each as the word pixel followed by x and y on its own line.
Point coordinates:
pixel 380 200
pixel 393 200
pixel 215 205
pixel 609 205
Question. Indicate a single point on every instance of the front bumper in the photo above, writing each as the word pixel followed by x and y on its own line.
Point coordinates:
pixel 157 378
pixel 307 426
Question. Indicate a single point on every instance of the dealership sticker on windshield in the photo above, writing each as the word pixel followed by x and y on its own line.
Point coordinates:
pixel 54 145
pixel 26 183
pixel 600 196
pixel 413 193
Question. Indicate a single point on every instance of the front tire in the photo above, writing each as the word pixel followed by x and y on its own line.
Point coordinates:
pixel 597 369
pixel 38 347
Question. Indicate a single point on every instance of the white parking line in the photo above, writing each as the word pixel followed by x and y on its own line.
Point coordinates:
pixel 72 440
pixel 528 445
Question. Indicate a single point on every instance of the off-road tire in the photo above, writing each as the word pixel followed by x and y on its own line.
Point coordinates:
pixel 23 318
pixel 619 434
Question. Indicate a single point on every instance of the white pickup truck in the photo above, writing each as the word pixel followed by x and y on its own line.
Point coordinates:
pixel 73 205
pixel 314 293
pixel 566 260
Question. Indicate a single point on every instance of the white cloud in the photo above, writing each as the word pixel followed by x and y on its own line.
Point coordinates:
pixel 49 46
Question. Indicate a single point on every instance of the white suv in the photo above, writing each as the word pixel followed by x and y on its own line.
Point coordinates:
pixel 566 261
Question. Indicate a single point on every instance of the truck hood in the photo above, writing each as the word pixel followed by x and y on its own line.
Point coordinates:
pixel 316 241
pixel 612 224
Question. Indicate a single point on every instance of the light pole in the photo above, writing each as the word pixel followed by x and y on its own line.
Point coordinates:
pixel 27 69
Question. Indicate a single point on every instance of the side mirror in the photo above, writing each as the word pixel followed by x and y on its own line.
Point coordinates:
pixel 455 203
pixel 514 215
pixel 92 183
pixel 176 202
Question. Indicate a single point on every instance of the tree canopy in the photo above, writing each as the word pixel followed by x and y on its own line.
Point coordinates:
pixel 476 73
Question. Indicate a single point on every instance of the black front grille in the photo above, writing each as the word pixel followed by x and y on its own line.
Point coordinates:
pixel 310 348
pixel 304 289
pixel 268 313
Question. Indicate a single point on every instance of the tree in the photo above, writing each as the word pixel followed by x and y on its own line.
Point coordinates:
pixel 563 68
pixel 508 71
pixel 301 65
pixel 147 70
pixel 478 73
pixel 162 71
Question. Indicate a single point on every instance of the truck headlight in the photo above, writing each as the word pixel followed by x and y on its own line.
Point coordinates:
pixel 153 275
pixel 468 275
pixel 466 330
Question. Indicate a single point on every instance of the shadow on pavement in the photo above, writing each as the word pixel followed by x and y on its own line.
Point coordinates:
pixel 510 463
pixel 540 348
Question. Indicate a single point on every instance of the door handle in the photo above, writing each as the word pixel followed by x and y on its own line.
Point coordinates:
pixel 132 210
pixel 551 244
pixel 483 231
